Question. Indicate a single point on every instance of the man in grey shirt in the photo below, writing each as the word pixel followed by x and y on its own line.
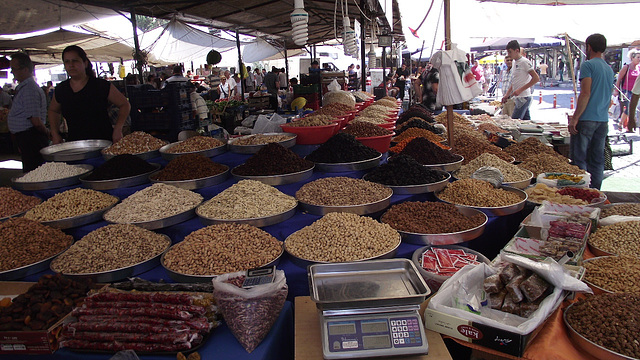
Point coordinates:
pixel 28 113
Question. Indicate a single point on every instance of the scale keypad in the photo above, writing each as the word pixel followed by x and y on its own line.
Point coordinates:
pixel 405 332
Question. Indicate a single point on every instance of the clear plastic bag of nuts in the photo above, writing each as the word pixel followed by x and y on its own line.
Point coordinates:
pixel 249 313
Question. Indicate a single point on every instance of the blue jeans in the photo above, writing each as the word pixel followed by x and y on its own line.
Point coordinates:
pixel 587 149
pixel 521 110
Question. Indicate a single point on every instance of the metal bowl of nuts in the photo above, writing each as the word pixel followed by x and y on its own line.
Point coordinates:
pixel 420 188
pixel 257 222
pixel 274 180
pixel 51 184
pixel 187 278
pixel 167 221
pixel 602 274
pixel 74 150
pixel 251 144
pixel 522 184
pixel 590 276
pixel 360 209
pixel 30 269
pixel 143 155
pixel 120 273
pixel 350 166
pixel 498 210
pixel 616 239
pixel 118 183
pixel 194 184
pixel 448 238
pixel 452 166
pixel 206 153
pixel 75 221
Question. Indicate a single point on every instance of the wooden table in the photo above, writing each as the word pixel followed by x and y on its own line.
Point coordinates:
pixel 308 345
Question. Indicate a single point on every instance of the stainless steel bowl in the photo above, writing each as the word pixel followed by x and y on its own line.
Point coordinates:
pixel 522 184
pixel 500 210
pixel 362 209
pixel 180 277
pixel 79 220
pixel 74 150
pixel 452 166
pixel 588 346
pixel 167 221
pixel 597 251
pixel 275 180
pixel 302 262
pixel 206 153
pixel 51 184
pixel 350 166
pixel 418 189
pixel 448 238
pixel 434 280
pixel 143 155
pixel 257 222
pixel 194 184
pixel 30 269
pixel 596 289
pixel 18 214
pixel 118 183
pixel 252 149
pixel 121 273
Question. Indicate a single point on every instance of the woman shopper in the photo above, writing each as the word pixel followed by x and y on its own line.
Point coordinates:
pixel 224 88
pixel 627 77
pixel 84 101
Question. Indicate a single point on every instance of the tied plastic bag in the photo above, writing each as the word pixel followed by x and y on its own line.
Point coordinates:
pixel 125 355
pixel 490 174
pixel 268 124
pixel 334 86
pixel 250 313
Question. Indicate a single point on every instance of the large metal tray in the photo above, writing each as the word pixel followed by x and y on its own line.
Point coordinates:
pixel 452 166
pixel 275 180
pixel 79 220
pixel 18 214
pixel 418 189
pixel 167 221
pixel 186 278
pixel 302 262
pixel 51 184
pixel 378 283
pixel 143 155
pixel 596 289
pixel 121 273
pixel 588 346
pixel 30 269
pixel 362 209
pixel 500 210
pixel 350 166
pixel 206 153
pixel 118 183
pixel 434 281
pixel 448 238
pixel 597 251
pixel 522 184
pixel 257 222
pixel 74 150
pixel 252 149
pixel 195 184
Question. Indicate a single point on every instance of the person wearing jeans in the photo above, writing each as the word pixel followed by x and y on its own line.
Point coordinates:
pixel 524 77
pixel 589 124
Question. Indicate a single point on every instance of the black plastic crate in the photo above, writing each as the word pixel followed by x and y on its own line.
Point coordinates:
pixel 306 89
pixel 152 121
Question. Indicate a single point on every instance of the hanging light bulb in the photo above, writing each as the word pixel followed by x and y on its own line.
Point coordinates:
pixel 348 38
pixel 299 22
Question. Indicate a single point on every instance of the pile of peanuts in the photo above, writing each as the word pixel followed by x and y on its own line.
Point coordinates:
pixel 221 249
pixel 260 139
pixel 15 202
pixel 621 238
pixel 614 273
pixel 135 143
pixel 24 242
pixel 342 191
pixel 629 209
pixel 109 248
pixel 70 203
pixel 312 120
pixel 340 237
pixel 543 163
pixel 196 143
pixel 473 192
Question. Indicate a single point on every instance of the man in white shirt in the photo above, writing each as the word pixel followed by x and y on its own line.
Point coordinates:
pixel 232 83
pixel 524 77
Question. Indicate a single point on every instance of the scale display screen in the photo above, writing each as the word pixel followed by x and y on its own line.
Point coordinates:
pixel 376 342
pixel 342 329
pixel 375 327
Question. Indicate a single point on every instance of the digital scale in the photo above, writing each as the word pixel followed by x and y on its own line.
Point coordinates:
pixel 369 309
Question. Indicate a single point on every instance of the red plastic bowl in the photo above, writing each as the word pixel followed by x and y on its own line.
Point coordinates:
pixel 388 126
pixel 379 143
pixel 311 135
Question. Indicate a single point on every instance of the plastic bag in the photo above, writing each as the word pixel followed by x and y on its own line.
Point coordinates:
pixel 583 183
pixel 250 313
pixel 125 355
pixel 334 86
pixel 614 219
pixel 266 124
pixel 490 174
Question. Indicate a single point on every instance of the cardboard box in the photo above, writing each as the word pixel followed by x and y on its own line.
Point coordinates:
pixel 479 334
pixel 27 342
pixel 523 233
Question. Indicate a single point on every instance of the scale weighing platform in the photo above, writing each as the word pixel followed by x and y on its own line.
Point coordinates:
pixel 369 309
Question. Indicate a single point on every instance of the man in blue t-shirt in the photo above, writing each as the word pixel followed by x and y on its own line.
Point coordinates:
pixel 589 125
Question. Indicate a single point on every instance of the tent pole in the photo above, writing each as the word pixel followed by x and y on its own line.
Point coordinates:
pixel 134 23
pixel 570 56
pixel 363 45
pixel 286 63
pixel 240 65
pixel 447 44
